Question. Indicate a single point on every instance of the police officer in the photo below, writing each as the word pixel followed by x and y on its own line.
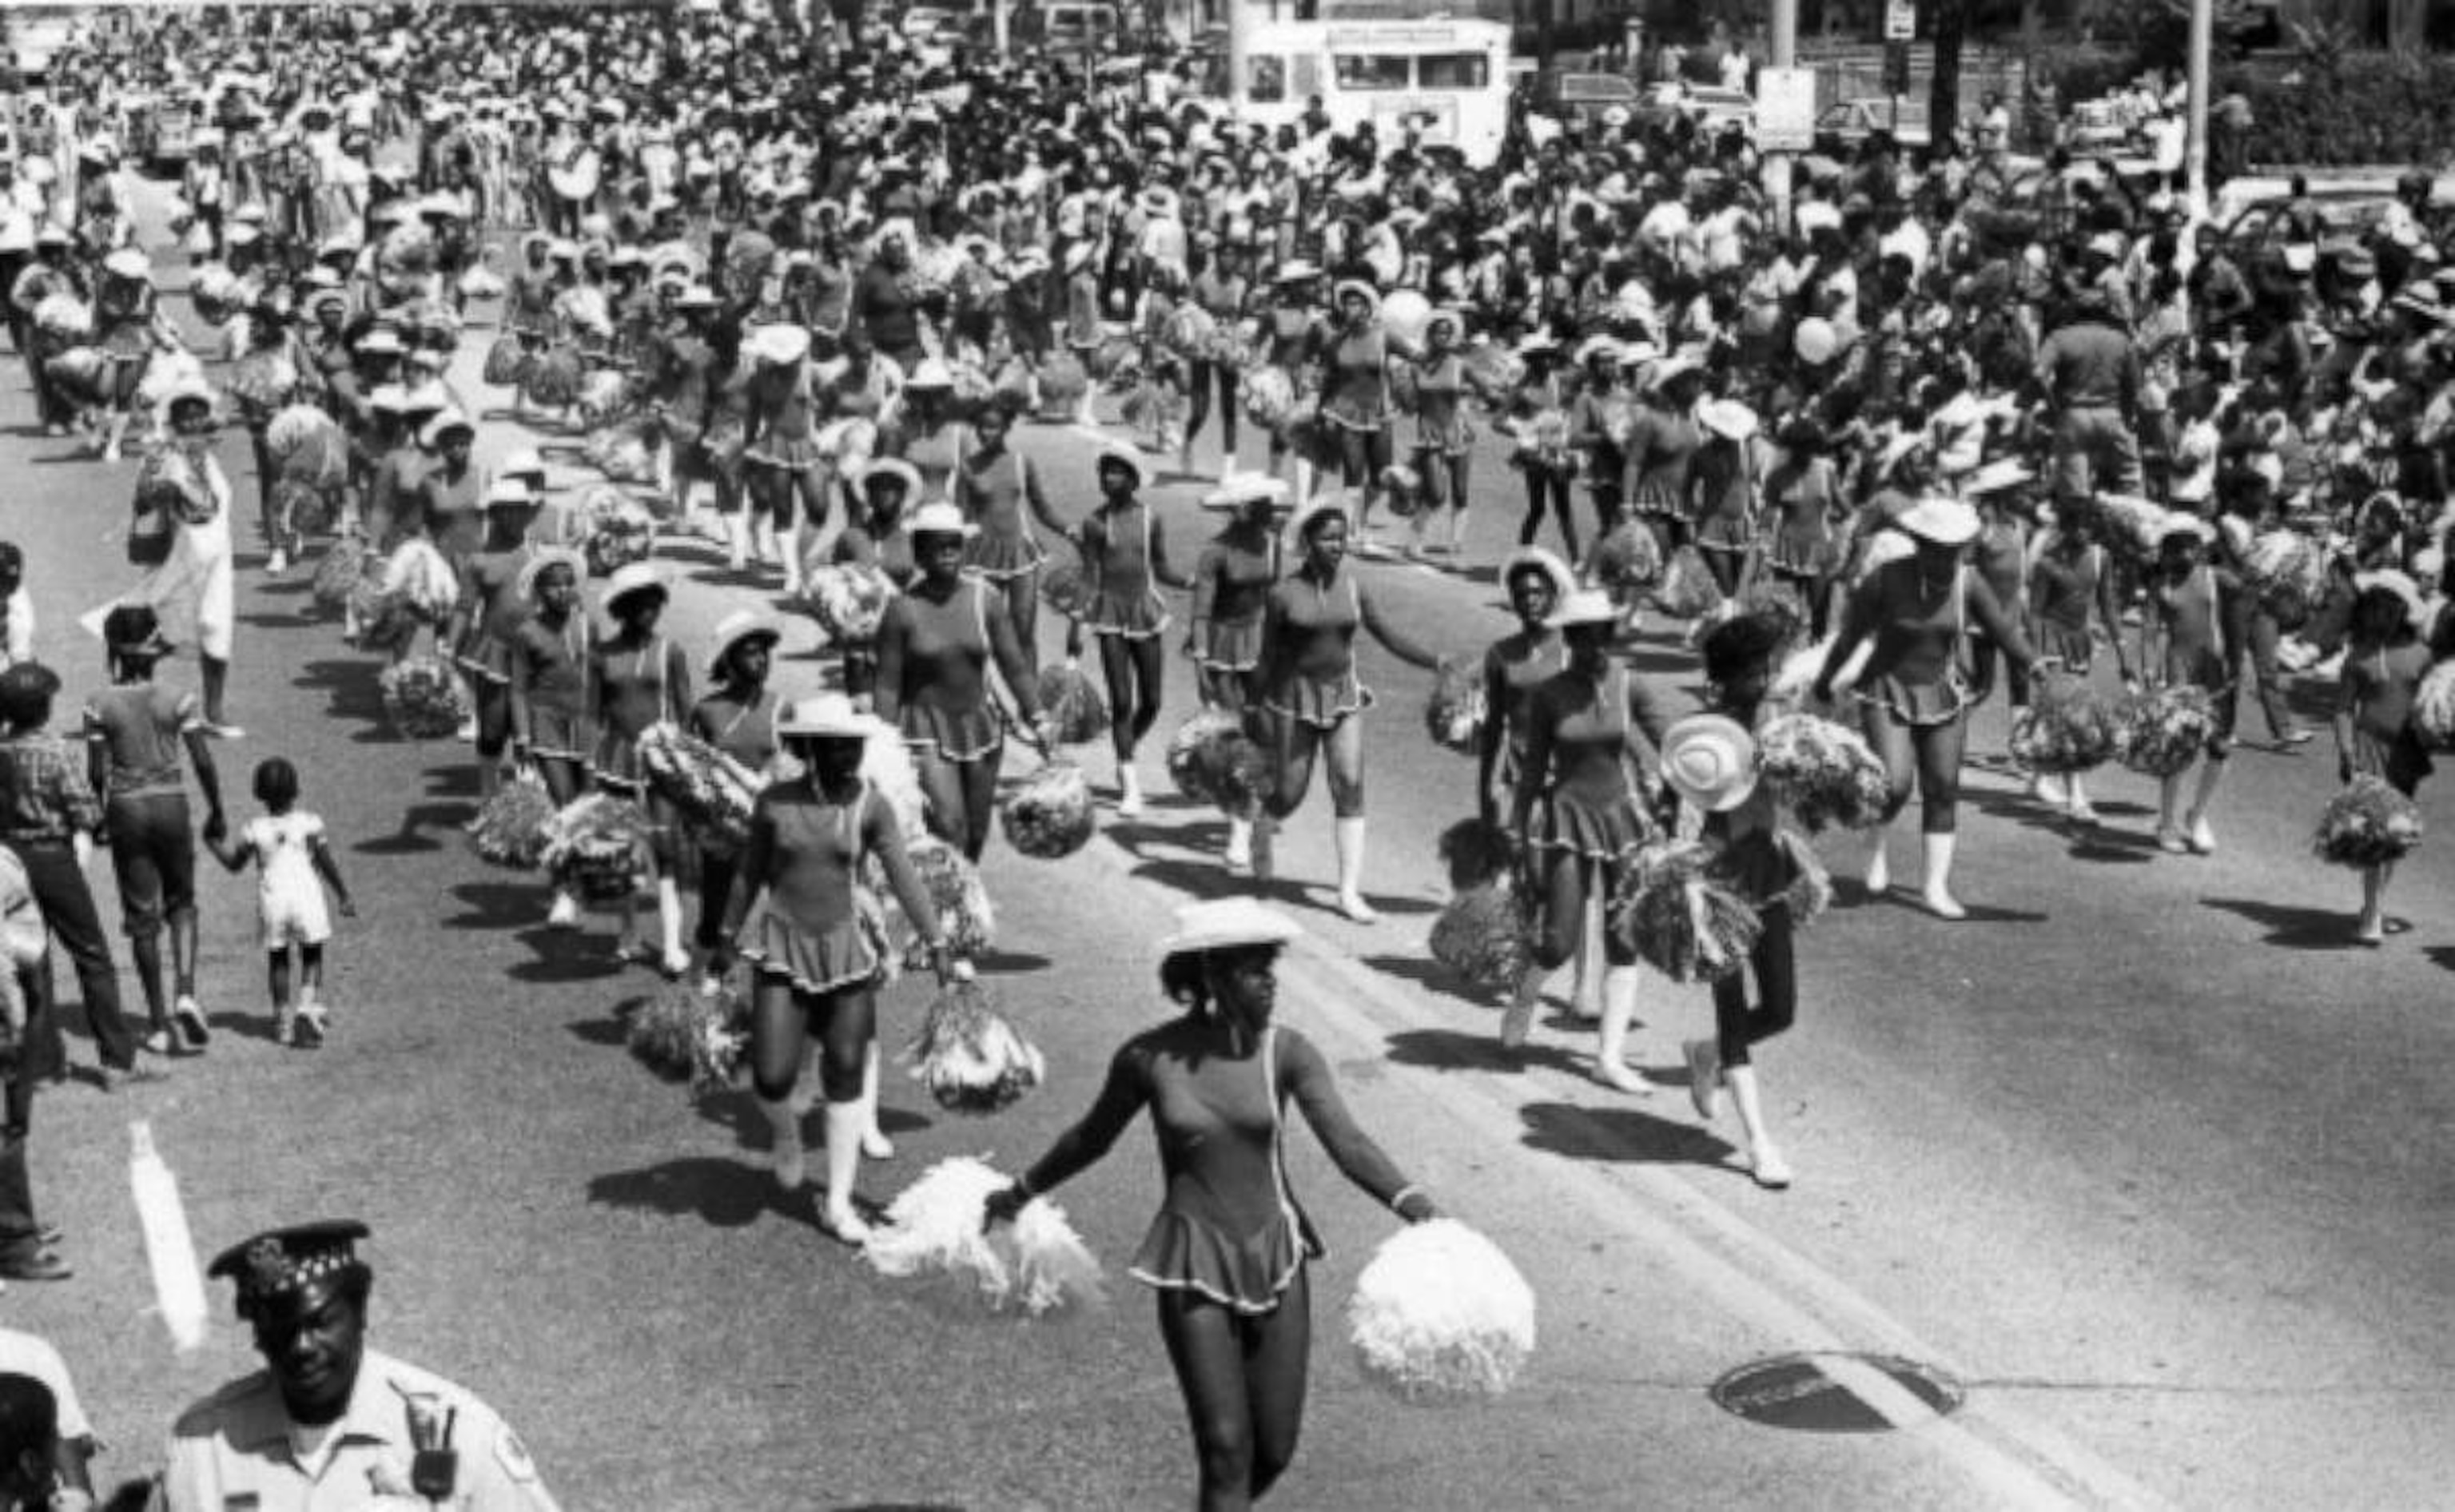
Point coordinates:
pixel 329 1423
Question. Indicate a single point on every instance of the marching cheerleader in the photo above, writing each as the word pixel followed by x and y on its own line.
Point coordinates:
pixel 739 718
pixel 2192 600
pixel 1231 588
pixel 1597 418
pixel 999 491
pixel 786 466
pixel 638 679
pixel 2383 664
pixel 1540 404
pixel 453 488
pixel 1220 289
pixel 1444 441
pixel 1580 778
pixel 2072 579
pixel 1356 397
pixel 1313 698
pixel 930 434
pixel 1916 609
pixel 935 645
pixel 1226 1251
pixel 1124 557
pixel 800 919
pixel 1294 329
pixel 1726 479
pixel 1712 765
pixel 1661 451
pixel 1792 561
pixel 486 619
pixel 1513 667
pixel 130 328
pixel 551 731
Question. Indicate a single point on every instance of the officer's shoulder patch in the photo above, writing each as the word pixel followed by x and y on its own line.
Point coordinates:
pixel 514 1455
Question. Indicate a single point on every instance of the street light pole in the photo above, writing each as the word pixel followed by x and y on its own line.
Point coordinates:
pixel 1782 45
pixel 2195 142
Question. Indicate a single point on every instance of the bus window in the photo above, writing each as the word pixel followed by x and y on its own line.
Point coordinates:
pixel 1308 75
pixel 1368 72
pixel 1453 70
pixel 1265 79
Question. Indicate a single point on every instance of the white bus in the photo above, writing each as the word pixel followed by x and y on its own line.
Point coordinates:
pixel 1448 78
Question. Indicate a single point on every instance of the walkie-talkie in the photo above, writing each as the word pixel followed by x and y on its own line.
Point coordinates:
pixel 435 1469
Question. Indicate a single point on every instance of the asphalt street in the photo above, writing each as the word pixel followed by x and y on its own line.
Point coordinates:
pixel 2147 1156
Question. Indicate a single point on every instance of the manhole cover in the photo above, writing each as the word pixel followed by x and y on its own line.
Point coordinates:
pixel 1838 1393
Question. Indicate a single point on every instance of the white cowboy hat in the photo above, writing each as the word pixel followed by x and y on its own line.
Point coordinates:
pixel 1535 558
pixel 525 585
pixel 431 436
pixel 1332 504
pixel 1727 419
pixel 778 345
pixel 1112 457
pixel 1895 450
pixel 737 627
pixel 526 462
pixel 826 716
pixel 2416 612
pixel 930 372
pixel 189 390
pixel 1537 343
pixel 1942 521
pixel 1295 270
pixel 894 466
pixel 128 262
pixel 1710 760
pixel 634 577
pixel 510 493
pixel 1241 488
pixel 1598 345
pixel 1586 606
pixel 696 297
pixel 2003 473
pixel 939 518
pixel 1346 289
pixel 1227 923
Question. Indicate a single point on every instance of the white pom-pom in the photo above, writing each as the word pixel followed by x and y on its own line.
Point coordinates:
pixel 1037 1265
pixel 887 766
pixel 1440 1315
pixel 1053 1268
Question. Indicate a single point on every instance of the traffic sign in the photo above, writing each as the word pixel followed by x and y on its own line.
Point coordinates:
pixel 1785 109
pixel 1900 20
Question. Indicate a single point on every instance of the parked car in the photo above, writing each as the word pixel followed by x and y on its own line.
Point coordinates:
pixel 161 130
pixel 2097 127
pixel 1580 99
pixel 1066 27
pixel 1712 108
pixel 1844 125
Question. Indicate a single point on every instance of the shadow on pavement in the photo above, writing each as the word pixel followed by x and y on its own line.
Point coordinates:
pixel 566 956
pixel 2293 928
pixel 414 821
pixel 1458 1050
pixel 1434 977
pixel 738 1112
pixel 724 1193
pixel 1630 1135
pixel 612 1032
pixel 1204 881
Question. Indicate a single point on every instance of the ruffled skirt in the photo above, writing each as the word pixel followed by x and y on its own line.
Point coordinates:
pixel 790 454
pixel 1248 1274
pixel 955 734
pixel 1601 829
pixel 1001 557
pixel 851 954
pixel 1230 645
pixel 1136 617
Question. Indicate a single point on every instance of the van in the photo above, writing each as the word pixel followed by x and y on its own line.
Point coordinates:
pixel 1069 26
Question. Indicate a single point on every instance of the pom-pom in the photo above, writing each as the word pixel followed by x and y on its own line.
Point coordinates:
pixel 1627 563
pixel 1064 588
pixel 1035 1267
pixel 955 891
pixel 1473 852
pixel 886 767
pixel 620 531
pixel 1484 934
pixel 685 1035
pixel 344 564
pixel 2066 728
pixel 619 452
pixel 2369 823
pixel 64 317
pixel 969 1056
pixel 1687 587
pixel 554 378
pixel 511 826
pixel 2135 525
pixel 1440 1315
pixel 421 578
pixel 712 791
pixel 1189 331
pixel 79 373
pixel 481 283
pixel 848 599
pixel 1210 757
pixel 1269 396
pixel 1049 815
pixel 2161 734
pixel 1186 766
pixel 309 445
pixel 1076 711
pixel 1454 714
pixel 598 845
pixel 2288 575
pixel 423 697
pixel 507 362
pixel 1063 382
pixel 1680 919
pixel 1543 441
pixel 262 381
pixel 1825 772
pixel 2433 706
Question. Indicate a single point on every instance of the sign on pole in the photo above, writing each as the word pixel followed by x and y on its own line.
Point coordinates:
pixel 1785 109
pixel 1900 20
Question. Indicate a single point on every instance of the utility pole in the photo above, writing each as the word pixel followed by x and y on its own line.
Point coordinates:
pixel 1781 47
pixel 1239 19
pixel 1951 25
pixel 2195 144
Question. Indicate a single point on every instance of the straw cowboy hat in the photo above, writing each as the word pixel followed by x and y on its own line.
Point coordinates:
pixel 930 372
pixel 1710 760
pixel 1996 477
pixel 1113 457
pixel 128 262
pixel 826 716
pixel 1227 923
pixel 1535 559
pixel 1941 521
pixel 1727 419
pixel 1585 606
pixel 510 493
pixel 778 345
pixel 738 629
pixel 894 466
pixel 548 556
pixel 443 425
pixel 1346 289
pixel 940 518
pixel 2389 579
pixel 1235 491
pixel 633 578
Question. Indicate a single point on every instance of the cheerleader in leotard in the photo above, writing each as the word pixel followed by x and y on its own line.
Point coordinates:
pixel 639 678
pixel 1444 440
pixel 1231 588
pixel 1724 481
pixel 486 619
pixel 999 491
pixel 1355 398
pixel 876 539
pixel 928 435
pixel 1313 698
pixel 817 943
pixel 2192 600
pixel 1579 819
pixel 2070 580
pixel 1791 565
pixel 1660 450
pixel 552 733
pixel 1545 450
pixel 1124 557
pixel 1915 609
pixel 1295 330
pixel 2384 660
pixel 739 719
pixel 781 447
pixel 1226 1251
pixel 934 650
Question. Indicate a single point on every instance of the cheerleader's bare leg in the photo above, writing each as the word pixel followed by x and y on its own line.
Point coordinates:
pixel 1456 469
pixel 1022 593
pixel 1291 774
pixel 1725 1061
pixel 1940 748
pixel 563 783
pixel 2373 923
pixel 1891 743
pixel 1134 666
pixel 779 1028
pixel 846 1040
pixel 1244 1380
pixel 1345 747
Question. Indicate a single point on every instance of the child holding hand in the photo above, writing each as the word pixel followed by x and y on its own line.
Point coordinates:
pixel 293 866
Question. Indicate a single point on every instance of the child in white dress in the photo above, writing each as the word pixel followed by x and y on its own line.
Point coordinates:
pixel 293 866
